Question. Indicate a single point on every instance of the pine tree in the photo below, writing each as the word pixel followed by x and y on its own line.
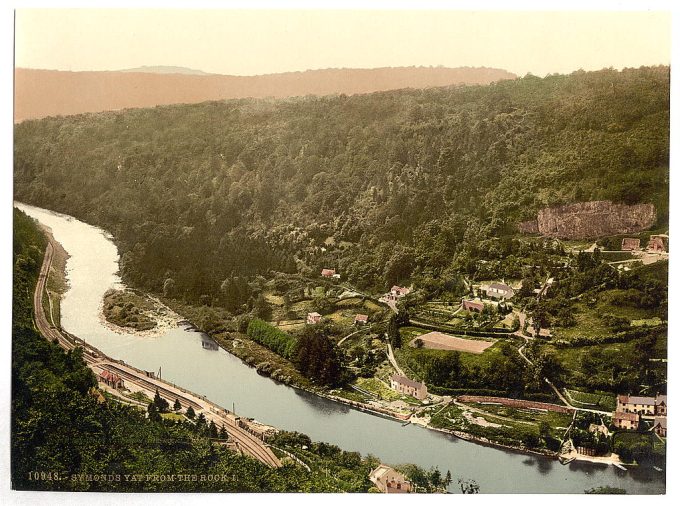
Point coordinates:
pixel 190 413
pixel 177 405
pixel 212 429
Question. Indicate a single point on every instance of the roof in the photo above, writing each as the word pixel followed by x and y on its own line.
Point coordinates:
pixel 379 472
pixel 637 399
pixel 661 399
pixel 660 421
pixel 109 376
pixel 632 417
pixel 327 271
pixel 361 317
pixel 500 286
pixel 406 381
pixel 314 314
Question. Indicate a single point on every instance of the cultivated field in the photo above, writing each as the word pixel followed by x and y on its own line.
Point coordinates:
pixel 441 341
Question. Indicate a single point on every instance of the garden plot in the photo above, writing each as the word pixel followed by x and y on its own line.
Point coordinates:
pixel 441 341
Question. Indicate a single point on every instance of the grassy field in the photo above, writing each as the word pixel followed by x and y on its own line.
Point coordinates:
pixel 588 314
pixel 616 256
pixel 356 303
pixel 597 400
pixel 382 390
pixel 649 322
pixel 175 417
pixel 609 356
pixel 410 358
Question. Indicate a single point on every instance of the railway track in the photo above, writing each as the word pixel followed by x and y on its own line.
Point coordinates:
pixel 96 360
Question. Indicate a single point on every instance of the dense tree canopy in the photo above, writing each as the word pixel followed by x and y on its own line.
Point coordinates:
pixel 386 187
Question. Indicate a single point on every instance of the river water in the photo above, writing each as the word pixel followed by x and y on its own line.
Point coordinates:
pixel 92 269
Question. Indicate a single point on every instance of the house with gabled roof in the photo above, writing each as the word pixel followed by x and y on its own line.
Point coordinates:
pixel 407 386
pixel 313 318
pixel 627 421
pixel 111 379
pixel 499 291
pixel 361 319
pixel 660 426
pixel 389 481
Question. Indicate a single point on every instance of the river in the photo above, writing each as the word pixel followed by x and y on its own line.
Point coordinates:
pixel 92 269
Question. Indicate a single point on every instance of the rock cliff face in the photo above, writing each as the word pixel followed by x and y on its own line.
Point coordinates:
pixel 589 220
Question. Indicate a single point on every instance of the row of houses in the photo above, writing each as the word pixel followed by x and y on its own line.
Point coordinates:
pixel 643 405
pixel 630 409
pixel 631 421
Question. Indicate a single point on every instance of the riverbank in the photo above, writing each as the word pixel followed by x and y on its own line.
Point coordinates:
pixel 281 371
pixel 57 283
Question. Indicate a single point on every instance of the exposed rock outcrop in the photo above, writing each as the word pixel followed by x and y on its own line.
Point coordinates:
pixel 589 220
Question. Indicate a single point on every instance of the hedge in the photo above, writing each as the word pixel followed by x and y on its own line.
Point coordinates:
pixel 267 335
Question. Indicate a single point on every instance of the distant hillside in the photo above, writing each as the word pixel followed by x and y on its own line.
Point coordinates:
pixel 166 69
pixel 41 93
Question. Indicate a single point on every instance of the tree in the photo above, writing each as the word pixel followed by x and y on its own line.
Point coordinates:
pixel 436 477
pixel 177 406
pixel 317 359
pixel 468 486
pixel 261 308
pixel 152 411
pixel 191 414
pixel 160 404
pixel 393 333
pixel 223 432
pixel 212 429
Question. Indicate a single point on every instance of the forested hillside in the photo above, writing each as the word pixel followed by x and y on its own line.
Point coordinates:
pixel 391 187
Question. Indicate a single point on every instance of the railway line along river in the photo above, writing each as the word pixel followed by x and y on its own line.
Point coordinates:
pixel 92 269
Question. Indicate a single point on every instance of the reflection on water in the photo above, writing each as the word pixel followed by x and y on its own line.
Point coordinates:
pixel 545 465
pixel 185 360
pixel 321 405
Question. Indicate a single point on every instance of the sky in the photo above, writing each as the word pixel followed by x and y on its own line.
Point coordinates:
pixel 250 42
